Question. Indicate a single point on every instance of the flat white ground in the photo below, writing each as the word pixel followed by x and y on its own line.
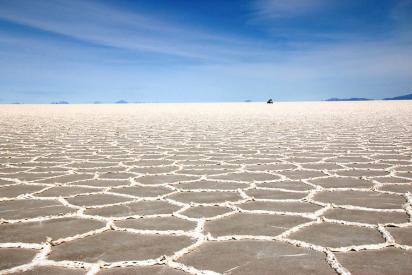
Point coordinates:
pixel 236 188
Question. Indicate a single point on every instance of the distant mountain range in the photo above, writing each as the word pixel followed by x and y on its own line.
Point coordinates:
pixel 121 102
pixel 403 97
pixel 348 99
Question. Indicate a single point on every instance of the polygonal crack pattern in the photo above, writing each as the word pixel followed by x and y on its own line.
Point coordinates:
pixel 230 189
pixel 40 231
pixel 382 261
pixel 324 234
pixel 256 257
pixel 252 224
pixel 111 246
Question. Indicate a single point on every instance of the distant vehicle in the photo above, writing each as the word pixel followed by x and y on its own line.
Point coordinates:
pixel 270 101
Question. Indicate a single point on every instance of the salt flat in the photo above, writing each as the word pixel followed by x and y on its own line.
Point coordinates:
pixel 245 188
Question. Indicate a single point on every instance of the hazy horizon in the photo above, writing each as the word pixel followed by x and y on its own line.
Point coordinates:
pixel 214 51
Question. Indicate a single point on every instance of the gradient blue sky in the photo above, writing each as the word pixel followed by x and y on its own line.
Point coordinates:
pixel 175 50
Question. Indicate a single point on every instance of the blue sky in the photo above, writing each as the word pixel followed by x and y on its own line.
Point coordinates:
pixel 185 51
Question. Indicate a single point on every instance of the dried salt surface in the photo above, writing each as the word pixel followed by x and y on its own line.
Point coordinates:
pixel 292 188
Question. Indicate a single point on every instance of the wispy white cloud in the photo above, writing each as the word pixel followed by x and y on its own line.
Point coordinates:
pixel 114 62
pixel 270 9
pixel 351 69
pixel 97 23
